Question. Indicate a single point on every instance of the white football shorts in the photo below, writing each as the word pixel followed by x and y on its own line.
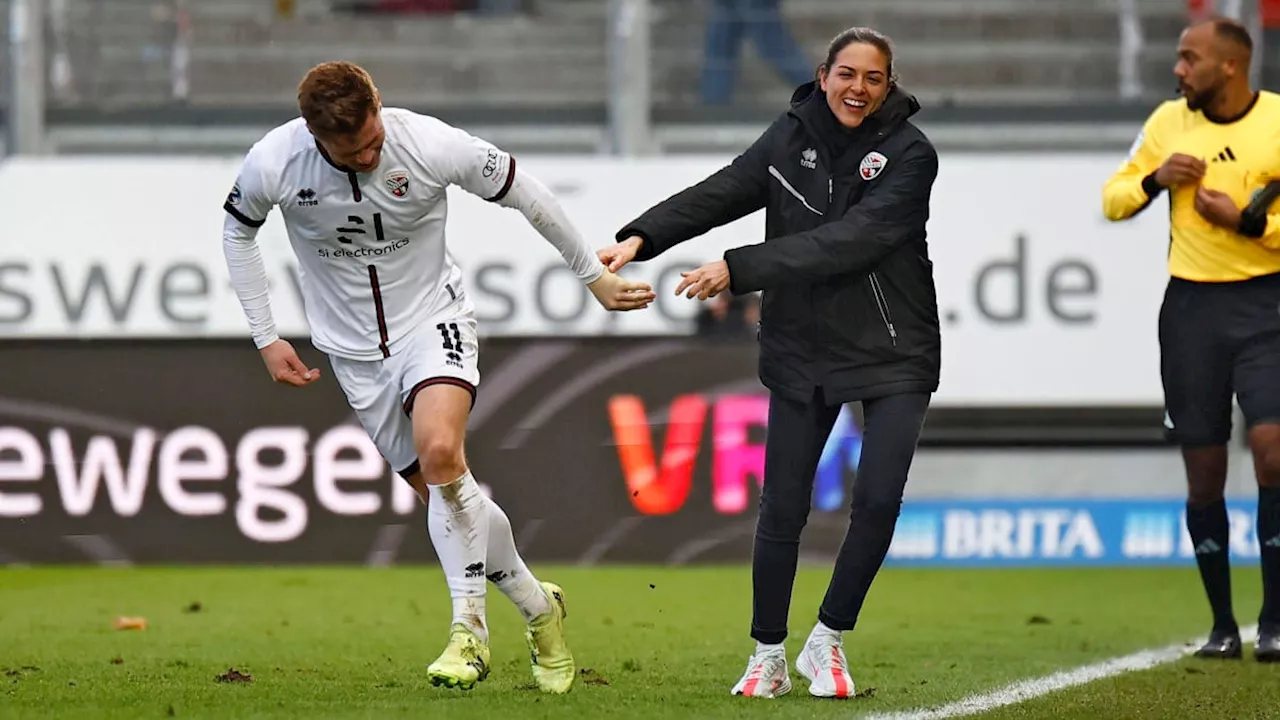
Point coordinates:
pixel 381 392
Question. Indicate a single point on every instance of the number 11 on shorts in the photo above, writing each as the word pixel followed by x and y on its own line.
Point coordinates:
pixel 452 338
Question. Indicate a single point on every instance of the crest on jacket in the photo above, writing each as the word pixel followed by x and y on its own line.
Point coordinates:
pixel 872 165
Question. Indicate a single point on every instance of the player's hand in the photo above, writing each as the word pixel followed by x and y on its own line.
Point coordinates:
pixel 1180 169
pixel 285 366
pixel 706 282
pixel 619 254
pixel 1218 208
pixel 615 292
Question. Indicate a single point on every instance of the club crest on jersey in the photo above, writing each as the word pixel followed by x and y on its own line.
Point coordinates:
pixel 872 165
pixel 397 182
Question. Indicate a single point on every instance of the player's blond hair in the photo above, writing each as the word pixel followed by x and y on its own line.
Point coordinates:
pixel 337 98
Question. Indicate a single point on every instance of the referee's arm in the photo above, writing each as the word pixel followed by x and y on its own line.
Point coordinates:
pixel 1258 222
pixel 1132 188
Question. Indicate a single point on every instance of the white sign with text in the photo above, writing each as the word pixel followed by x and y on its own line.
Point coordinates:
pixel 1043 301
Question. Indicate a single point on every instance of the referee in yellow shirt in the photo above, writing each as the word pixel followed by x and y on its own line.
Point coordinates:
pixel 1217 153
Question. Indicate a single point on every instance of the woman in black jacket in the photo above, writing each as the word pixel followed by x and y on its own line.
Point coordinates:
pixel 849 313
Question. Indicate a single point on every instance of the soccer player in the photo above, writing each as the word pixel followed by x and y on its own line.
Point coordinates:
pixel 1217 153
pixel 362 191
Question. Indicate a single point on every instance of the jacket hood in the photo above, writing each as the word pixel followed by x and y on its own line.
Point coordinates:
pixel 898 106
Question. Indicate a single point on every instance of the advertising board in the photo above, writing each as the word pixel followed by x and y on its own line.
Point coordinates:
pixel 1043 302
pixel 599 449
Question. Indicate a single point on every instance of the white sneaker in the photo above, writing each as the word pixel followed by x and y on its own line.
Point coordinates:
pixel 766 676
pixel 822 661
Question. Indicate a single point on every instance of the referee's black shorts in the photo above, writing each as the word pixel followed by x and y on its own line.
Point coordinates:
pixel 1216 340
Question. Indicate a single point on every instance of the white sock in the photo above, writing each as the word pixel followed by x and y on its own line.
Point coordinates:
pixel 769 648
pixel 458 522
pixel 821 631
pixel 507 569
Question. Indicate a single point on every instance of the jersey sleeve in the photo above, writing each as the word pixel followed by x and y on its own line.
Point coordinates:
pixel 1133 186
pixel 476 165
pixel 250 199
pixel 247 207
pixel 455 157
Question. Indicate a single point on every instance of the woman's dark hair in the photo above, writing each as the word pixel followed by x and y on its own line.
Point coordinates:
pixel 865 36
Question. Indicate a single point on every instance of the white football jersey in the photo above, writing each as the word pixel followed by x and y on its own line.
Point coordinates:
pixel 371 246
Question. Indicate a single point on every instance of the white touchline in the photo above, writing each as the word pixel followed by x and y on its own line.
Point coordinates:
pixel 1024 690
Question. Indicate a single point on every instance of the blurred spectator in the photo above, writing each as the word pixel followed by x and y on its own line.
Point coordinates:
pixel 1131 42
pixel 1199 9
pixel 1269 14
pixel 441 7
pixel 499 7
pixel 180 49
pixel 762 20
pixel 61 78
pixel 75 54
pixel 408 6
pixel 729 317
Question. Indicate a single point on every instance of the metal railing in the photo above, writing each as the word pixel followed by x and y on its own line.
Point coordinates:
pixel 6 77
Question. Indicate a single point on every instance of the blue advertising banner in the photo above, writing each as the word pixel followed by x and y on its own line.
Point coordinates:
pixel 1068 532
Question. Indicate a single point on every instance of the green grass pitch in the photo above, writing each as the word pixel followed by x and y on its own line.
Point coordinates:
pixel 649 642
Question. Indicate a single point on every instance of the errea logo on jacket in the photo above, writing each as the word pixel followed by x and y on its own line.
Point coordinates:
pixel 809 159
pixel 872 165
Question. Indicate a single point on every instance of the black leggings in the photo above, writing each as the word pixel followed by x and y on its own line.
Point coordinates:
pixel 796 435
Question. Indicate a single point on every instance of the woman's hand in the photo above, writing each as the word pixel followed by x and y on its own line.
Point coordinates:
pixel 706 282
pixel 619 254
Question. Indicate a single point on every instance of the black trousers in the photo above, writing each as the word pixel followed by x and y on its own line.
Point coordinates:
pixel 797 432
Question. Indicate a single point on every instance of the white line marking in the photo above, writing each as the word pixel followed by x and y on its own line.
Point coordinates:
pixel 1036 687
pixel 693 548
pixel 100 548
pixel 527 534
pixel 386 545
pixel 608 539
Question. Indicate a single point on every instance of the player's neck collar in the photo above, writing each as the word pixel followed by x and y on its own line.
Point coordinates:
pixel 329 160
pixel 1238 116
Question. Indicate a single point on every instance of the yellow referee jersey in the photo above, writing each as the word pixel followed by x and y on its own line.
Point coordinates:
pixel 1241 158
